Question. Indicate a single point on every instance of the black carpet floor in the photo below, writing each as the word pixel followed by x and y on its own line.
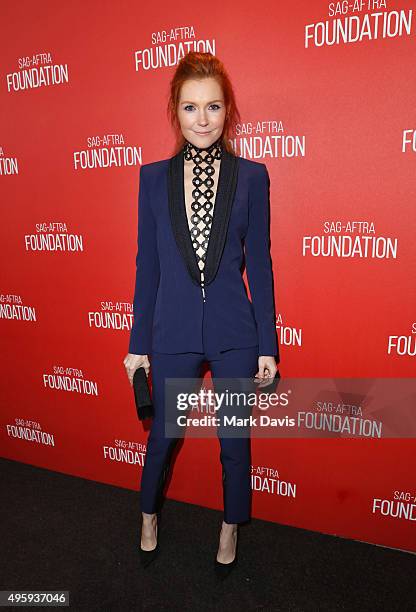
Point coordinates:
pixel 62 532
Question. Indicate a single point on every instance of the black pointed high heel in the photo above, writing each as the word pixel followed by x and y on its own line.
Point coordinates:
pixel 147 556
pixel 222 570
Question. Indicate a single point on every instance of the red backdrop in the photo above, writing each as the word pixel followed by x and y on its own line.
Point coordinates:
pixel 84 89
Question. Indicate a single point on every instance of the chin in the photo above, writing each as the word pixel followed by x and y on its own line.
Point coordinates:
pixel 204 140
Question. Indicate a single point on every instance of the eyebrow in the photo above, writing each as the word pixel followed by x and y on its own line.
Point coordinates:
pixel 190 101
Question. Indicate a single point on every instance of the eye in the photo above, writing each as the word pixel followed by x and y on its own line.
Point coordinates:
pixel 191 107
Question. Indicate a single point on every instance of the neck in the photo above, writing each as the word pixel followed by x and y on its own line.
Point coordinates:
pixel 191 151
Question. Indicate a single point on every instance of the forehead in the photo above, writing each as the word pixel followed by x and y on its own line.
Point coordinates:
pixel 201 90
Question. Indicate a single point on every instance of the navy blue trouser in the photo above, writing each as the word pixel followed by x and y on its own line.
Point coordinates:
pixel 235 455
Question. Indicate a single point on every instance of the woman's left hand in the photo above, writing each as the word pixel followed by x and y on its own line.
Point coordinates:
pixel 267 370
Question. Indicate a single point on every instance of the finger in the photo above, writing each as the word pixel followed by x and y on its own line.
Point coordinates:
pixel 271 369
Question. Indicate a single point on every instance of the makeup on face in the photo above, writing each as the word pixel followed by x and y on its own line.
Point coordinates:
pixel 201 111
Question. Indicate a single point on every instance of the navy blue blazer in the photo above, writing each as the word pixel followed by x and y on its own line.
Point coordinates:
pixel 169 310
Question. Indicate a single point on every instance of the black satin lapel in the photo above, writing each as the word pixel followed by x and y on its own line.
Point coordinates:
pixel 227 183
pixel 179 220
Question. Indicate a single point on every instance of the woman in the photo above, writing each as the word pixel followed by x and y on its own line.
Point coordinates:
pixel 196 210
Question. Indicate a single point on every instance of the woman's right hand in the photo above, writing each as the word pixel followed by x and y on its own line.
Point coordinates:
pixel 134 362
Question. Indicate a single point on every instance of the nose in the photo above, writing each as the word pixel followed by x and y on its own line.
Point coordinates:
pixel 202 118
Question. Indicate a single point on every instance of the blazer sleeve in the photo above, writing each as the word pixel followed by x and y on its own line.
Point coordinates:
pixel 259 263
pixel 147 274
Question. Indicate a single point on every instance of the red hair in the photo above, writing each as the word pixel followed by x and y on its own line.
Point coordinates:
pixel 195 65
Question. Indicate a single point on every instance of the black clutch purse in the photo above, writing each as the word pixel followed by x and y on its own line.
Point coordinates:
pixel 144 404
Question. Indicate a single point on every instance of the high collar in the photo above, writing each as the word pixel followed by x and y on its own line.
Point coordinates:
pixel 206 154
